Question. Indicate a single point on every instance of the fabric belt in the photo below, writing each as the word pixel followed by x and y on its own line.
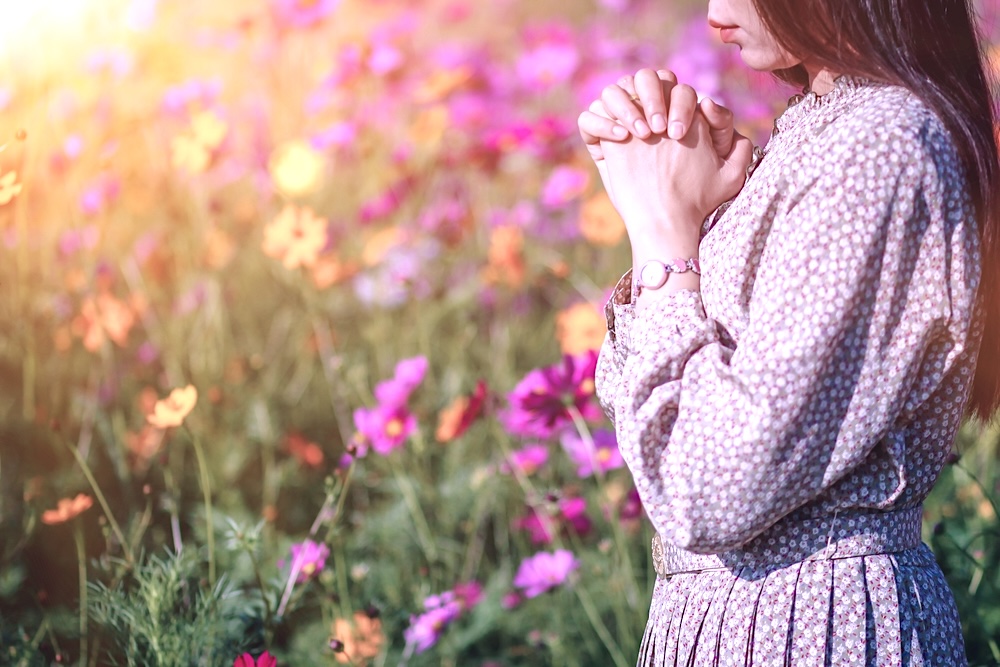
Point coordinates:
pixel 846 534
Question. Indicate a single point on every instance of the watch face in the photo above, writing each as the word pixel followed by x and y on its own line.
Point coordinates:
pixel 653 275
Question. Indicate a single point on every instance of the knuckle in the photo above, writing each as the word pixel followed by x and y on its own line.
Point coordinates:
pixel 666 75
pixel 610 90
pixel 686 90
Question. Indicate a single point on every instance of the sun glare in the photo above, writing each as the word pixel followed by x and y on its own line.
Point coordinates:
pixel 33 32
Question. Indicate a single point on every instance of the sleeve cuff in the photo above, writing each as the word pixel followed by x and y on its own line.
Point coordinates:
pixel 630 331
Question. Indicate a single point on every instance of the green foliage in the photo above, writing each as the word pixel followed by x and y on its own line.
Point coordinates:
pixel 163 615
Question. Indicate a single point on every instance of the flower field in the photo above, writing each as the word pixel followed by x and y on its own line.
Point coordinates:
pixel 301 301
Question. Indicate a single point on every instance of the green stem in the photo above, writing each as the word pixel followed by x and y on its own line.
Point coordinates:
pixel 600 628
pixel 104 503
pixel 206 491
pixel 268 617
pixel 81 559
pixel 419 520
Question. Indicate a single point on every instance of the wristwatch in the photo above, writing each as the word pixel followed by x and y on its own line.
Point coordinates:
pixel 654 273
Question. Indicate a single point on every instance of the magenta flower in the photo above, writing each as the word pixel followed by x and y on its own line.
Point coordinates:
pixel 572 514
pixel 540 403
pixel 544 571
pixel 264 660
pixel 441 611
pixel 407 377
pixel 564 185
pixel 602 455
pixel 337 135
pixel 302 13
pixel 309 558
pixel 546 65
pixel 384 428
pixel 527 459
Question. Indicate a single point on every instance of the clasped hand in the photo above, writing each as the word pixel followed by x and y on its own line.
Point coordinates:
pixel 666 160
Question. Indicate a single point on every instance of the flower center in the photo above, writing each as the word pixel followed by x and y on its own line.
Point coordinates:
pixel 394 428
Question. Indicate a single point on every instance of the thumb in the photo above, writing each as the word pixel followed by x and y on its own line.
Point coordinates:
pixel 720 123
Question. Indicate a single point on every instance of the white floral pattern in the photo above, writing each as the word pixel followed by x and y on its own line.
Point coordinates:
pixel 785 424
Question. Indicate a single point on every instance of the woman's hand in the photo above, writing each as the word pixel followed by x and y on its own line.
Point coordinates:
pixel 665 188
pixel 663 105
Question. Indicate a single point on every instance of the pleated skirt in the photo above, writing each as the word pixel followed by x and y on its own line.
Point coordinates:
pixel 876 610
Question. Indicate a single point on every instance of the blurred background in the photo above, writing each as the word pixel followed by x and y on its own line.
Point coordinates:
pixel 299 305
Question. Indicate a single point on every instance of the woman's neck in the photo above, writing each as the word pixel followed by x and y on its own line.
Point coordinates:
pixel 821 79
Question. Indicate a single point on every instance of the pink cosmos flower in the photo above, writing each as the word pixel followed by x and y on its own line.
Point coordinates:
pixel 527 459
pixel 309 558
pixel 384 428
pixel 547 65
pixel 544 571
pixel 385 59
pixel 564 185
pixel 572 515
pixel 441 611
pixel 302 13
pixel 264 660
pixel 408 375
pixel 337 135
pixel 539 404
pixel 603 453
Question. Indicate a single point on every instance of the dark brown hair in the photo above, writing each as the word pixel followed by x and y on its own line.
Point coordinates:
pixel 932 48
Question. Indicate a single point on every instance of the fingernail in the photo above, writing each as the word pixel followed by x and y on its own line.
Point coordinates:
pixel 619 132
pixel 641 128
pixel 676 130
pixel 658 122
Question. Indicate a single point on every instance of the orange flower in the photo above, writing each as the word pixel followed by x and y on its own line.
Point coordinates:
pixel 308 453
pixel 442 83
pixel 580 328
pixel 67 508
pixel 455 419
pixel 506 262
pixel 599 221
pixel 172 410
pixel 429 127
pixel 362 639
pixel 101 318
pixel 379 244
pixel 296 237
pixel 219 249
pixel 8 188
pixel 329 271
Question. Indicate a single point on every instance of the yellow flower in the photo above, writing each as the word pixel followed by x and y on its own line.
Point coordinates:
pixel 8 188
pixel 599 221
pixel 296 168
pixel 580 328
pixel 67 508
pixel 208 130
pixel 295 237
pixel 172 410
pixel 188 154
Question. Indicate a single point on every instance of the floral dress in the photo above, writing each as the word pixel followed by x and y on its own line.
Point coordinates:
pixel 785 424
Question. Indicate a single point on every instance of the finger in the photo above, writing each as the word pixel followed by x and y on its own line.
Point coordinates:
pixel 627 84
pixel 737 161
pixel 622 108
pixel 683 102
pixel 720 123
pixel 653 94
pixel 594 127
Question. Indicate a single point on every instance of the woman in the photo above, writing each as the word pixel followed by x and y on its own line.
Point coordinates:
pixel 786 412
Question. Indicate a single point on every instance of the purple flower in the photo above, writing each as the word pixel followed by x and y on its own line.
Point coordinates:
pixel 308 558
pixel 540 403
pixel 544 571
pixel 426 629
pixel 546 65
pixel 441 611
pixel 603 455
pixel 302 13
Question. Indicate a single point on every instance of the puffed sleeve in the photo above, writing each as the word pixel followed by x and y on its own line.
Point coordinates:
pixel 859 309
